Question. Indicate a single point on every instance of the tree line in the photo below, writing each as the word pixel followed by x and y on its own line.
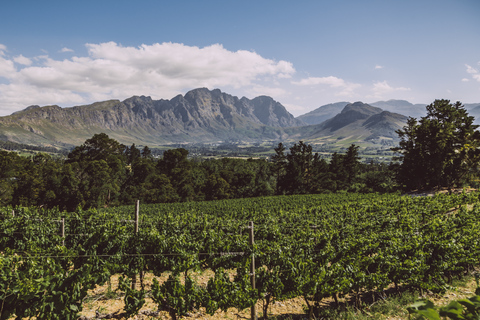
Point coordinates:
pixel 102 172
pixel 442 149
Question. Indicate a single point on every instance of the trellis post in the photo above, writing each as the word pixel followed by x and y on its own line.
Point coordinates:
pixel 252 271
pixel 137 214
pixel 62 226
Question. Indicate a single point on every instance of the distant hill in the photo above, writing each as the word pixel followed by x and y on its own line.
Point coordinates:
pixel 323 113
pixel 328 111
pixel 418 110
pixel 359 122
pixel 350 114
pixel 402 107
pixel 474 110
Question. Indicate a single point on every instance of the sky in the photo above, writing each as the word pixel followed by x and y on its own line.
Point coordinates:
pixel 304 54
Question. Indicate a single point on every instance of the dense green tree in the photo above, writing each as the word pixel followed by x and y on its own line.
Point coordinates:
pixel 351 163
pixel 9 168
pixel 147 153
pixel 70 194
pixel 440 149
pixel 322 178
pixel 280 162
pixel 377 177
pixel 99 147
pixel 338 173
pixel 132 153
pixel 176 166
pixel 298 169
pixel 101 170
pixel 217 188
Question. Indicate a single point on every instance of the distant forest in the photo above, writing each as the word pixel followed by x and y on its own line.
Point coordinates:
pixel 102 172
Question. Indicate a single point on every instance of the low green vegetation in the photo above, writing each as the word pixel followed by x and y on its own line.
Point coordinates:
pixel 348 248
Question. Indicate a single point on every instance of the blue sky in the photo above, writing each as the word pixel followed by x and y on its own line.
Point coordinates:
pixel 304 54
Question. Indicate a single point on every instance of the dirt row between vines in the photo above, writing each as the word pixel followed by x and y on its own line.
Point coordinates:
pixel 102 302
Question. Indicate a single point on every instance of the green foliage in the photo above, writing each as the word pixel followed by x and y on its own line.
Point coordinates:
pixel 175 298
pixel 134 299
pixel 222 293
pixel 301 171
pixel 310 246
pixel 458 309
pixel 104 173
pixel 440 150
pixel 43 288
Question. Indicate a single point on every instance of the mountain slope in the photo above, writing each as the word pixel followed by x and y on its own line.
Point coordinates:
pixel 402 107
pixel 199 116
pixel 359 122
pixel 323 113
pixel 350 113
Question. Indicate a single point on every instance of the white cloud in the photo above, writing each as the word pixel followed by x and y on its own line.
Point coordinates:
pixel 383 89
pixel 274 92
pixel 65 49
pixel 312 81
pixel 7 68
pixel 465 80
pixel 19 95
pixel 343 87
pixel 296 109
pixel 22 60
pixel 378 67
pixel 473 72
pixel 111 71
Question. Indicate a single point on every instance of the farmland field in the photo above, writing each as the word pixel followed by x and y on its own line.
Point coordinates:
pixel 308 247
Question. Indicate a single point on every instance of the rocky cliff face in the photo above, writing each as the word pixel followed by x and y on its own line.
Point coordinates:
pixel 199 116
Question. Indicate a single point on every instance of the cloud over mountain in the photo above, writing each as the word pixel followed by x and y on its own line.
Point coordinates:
pixel 112 70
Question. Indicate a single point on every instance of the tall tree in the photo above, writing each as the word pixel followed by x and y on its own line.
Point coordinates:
pixel 338 173
pixel 101 169
pixel 439 150
pixel 298 169
pixel 321 177
pixel 178 168
pixel 351 163
pixel 280 162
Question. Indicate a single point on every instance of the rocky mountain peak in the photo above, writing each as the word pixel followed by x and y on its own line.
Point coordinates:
pixel 273 113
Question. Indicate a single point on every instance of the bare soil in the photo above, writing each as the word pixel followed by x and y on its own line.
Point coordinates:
pixel 102 303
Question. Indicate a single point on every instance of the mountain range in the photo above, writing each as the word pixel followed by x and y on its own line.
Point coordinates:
pixel 207 116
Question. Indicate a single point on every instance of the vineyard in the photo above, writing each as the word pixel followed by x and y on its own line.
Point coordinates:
pixel 315 247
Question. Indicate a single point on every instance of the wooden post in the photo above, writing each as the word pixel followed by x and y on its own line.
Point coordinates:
pixel 137 213
pixel 62 226
pixel 137 219
pixel 253 312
